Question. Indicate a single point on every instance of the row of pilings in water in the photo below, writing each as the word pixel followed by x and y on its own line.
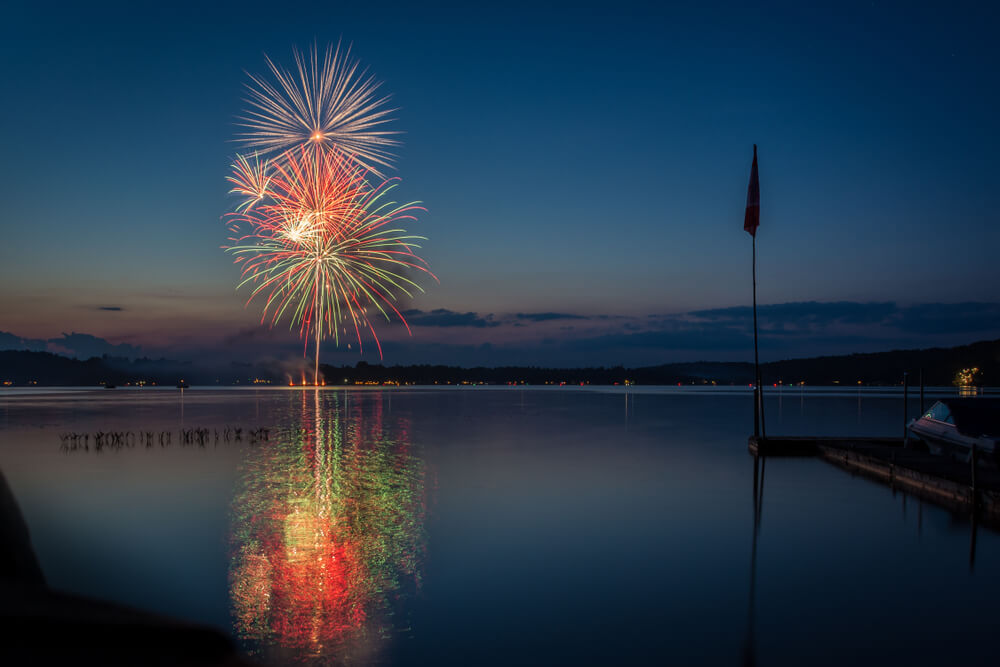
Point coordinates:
pixel 73 441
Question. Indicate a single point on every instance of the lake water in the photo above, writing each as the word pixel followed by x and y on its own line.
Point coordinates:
pixel 498 525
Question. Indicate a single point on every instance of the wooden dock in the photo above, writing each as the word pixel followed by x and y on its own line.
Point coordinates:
pixel 938 479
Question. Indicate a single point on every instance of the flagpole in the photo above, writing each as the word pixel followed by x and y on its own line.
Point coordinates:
pixel 759 389
pixel 756 362
pixel 750 224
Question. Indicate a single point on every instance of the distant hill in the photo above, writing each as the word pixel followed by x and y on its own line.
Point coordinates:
pixel 939 366
pixel 24 367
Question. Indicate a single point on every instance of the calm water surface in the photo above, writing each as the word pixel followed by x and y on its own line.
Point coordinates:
pixel 498 526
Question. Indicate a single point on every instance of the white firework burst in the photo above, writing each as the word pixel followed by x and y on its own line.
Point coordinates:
pixel 329 101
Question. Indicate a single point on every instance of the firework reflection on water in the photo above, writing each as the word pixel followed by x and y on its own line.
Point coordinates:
pixel 328 535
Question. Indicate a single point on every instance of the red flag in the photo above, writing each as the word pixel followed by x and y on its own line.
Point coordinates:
pixel 752 219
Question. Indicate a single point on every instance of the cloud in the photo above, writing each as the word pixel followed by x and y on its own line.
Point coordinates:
pixel 918 319
pixel 245 335
pixel 9 341
pixel 682 338
pixel 442 317
pixel 788 330
pixel 723 334
pixel 544 317
pixel 81 346
pixel 56 348
pixel 947 318
pixel 85 346
pixel 804 313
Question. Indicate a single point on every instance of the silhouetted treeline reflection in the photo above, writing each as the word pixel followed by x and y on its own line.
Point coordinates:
pixel 328 534
pixel 202 437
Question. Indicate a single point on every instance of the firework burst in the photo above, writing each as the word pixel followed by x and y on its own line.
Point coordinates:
pixel 320 244
pixel 328 101
pixel 250 180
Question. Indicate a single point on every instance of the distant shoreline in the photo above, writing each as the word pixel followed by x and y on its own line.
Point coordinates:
pixel 939 367
pixel 689 389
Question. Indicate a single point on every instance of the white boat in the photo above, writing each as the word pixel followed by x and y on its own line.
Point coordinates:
pixel 952 426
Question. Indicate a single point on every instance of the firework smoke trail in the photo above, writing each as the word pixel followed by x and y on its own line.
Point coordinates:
pixel 327 101
pixel 320 244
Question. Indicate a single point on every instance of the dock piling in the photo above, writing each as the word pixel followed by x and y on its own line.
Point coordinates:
pixel 972 544
pixel 921 391
pixel 959 485
pixel 972 458
pixel 756 409
pixel 906 396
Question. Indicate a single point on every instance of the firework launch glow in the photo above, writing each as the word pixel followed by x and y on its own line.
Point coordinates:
pixel 318 238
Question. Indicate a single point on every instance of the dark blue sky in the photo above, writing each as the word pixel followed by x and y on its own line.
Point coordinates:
pixel 588 162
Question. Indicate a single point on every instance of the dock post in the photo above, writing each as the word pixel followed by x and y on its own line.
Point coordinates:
pixel 972 544
pixel 921 392
pixel 972 538
pixel 972 458
pixel 906 395
pixel 760 397
pixel 756 410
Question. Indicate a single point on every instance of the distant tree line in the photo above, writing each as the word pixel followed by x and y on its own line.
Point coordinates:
pixel 23 367
pixel 940 366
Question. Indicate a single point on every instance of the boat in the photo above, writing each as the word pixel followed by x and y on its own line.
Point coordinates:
pixel 953 426
pixel 108 385
pixel 183 385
